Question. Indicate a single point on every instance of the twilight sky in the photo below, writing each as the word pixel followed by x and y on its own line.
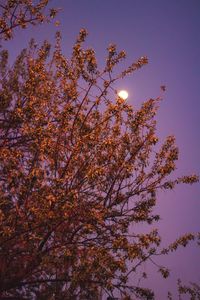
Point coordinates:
pixel 168 32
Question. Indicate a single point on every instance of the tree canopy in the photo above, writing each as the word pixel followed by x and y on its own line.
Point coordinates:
pixel 79 166
pixel 22 13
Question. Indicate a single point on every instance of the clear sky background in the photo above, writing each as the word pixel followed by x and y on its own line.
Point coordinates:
pixel 168 32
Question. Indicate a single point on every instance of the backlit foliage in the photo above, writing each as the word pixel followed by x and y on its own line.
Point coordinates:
pixel 78 169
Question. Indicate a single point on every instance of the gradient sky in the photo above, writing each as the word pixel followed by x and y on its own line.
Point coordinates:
pixel 168 32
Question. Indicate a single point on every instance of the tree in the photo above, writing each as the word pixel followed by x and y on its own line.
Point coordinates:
pixel 21 13
pixel 193 290
pixel 77 171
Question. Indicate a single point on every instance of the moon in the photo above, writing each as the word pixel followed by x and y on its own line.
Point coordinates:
pixel 123 94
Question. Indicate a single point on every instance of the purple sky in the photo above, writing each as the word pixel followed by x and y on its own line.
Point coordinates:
pixel 168 32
